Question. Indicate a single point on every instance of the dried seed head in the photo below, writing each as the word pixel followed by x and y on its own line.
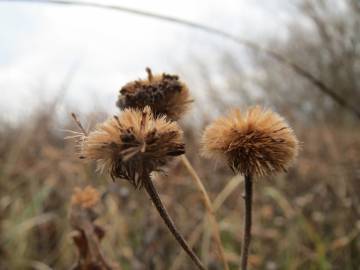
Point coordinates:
pixel 165 94
pixel 133 144
pixel 257 143
pixel 85 198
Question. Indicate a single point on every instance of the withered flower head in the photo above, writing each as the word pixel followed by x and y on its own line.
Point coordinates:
pixel 257 143
pixel 164 93
pixel 133 144
pixel 85 198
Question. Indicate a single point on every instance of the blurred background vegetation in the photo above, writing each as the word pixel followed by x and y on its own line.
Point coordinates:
pixel 308 218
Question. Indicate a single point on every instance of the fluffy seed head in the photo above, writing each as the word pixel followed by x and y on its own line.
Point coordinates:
pixel 133 144
pixel 257 143
pixel 165 94
pixel 85 198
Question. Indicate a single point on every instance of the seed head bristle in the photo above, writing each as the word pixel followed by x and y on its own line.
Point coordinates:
pixel 165 94
pixel 257 143
pixel 132 144
pixel 77 121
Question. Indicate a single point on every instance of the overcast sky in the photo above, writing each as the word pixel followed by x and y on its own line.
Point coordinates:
pixel 40 43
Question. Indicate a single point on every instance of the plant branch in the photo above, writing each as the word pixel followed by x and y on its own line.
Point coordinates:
pixel 151 190
pixel 209 207
pixel 247 222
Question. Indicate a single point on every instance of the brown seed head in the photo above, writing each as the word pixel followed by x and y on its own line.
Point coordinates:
pixel 85 198
pixel 165 94
pixel 257 143
pixel 133 144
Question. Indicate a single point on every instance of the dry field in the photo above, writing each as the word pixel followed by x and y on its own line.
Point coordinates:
pixel 305 219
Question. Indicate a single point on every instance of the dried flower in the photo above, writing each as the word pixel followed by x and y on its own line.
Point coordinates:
pixel 85 198
pixel 133 144
pixel 87 234
pixel 257 143
pixel 165 94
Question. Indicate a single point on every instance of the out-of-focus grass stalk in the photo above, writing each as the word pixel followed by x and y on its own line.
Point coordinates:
pixel 206 240
pixel 232 185
pixel 207 202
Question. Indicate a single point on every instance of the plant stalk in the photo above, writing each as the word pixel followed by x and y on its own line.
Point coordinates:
pixel 151 190
pixel 247 222
pixel 209 207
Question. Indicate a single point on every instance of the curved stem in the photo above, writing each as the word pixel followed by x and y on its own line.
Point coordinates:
pixel 150 188
pixel 247 222
pixel 209 208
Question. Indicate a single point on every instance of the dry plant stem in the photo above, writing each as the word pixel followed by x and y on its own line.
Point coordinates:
pixel 95 246
pixel 247 222
pixel 209 207
pixel 150 188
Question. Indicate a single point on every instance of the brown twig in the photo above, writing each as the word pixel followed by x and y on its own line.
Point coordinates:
pixel 321 86
pixel 151 190
pixel 247 222
pixel 209 207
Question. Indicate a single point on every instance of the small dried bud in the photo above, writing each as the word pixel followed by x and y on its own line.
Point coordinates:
pixel 133 144
pixel 85 198
pixel 165 94
pixel 257 143
pixel 87 235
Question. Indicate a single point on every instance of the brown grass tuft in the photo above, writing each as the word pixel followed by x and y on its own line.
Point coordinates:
pixel 257 143
pixel 133 144
pixel 164 93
